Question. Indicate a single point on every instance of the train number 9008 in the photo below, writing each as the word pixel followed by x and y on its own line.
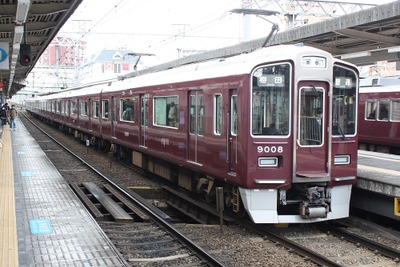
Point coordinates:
pixel 270 149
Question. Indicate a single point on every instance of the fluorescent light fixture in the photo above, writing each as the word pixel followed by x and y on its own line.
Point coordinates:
pixel 394 49
pixel 22 11
pixel 18 34
pixel 355 55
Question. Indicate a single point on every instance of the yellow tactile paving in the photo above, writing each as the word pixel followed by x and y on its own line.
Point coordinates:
pixel 8 227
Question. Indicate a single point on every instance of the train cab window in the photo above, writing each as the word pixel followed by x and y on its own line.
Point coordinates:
pixel 383 111
pixel 166 111
pixel 104 109
pixel 344 109
pixel 96 109
pixel 73 107
pixel 127 109
pixel 271 100
pixel 84 110
pixel 395 110
pixel 370 109
pixel 218 114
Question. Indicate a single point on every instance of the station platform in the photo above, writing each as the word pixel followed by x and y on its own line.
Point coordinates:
pixel 42 222
pixel 378 184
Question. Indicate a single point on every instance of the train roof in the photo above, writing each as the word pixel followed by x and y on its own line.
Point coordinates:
pixel 379 89
pixel 379 81
pixel 218 67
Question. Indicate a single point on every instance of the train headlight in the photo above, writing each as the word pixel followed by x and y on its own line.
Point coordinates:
pixel 267 162
pixel 342 160
pixel 313 62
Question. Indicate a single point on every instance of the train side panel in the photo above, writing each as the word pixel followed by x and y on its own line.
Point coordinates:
pixel 379 120
pixel 276 128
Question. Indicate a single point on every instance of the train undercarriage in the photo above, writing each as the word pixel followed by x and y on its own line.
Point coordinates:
pixel 302 200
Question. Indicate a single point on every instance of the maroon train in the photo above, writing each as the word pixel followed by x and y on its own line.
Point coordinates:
pixel 379 117
pixel 276 128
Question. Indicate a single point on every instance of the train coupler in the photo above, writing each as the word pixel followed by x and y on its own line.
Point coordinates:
pixel 313 211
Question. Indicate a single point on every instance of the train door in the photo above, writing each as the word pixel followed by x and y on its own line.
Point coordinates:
pixel 312 146
pixel 196 115
pixel 144 118
pixel 113 115
pixel 232 133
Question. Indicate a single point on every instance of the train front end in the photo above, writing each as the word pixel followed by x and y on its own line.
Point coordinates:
pixel 302 145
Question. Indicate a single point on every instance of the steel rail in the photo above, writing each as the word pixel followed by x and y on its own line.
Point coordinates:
pixel 198 250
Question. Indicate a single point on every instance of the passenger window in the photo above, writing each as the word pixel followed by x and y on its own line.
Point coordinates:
pixel 166 111
pixel 84 108
pixel 218 114
pixel 383 114
pixel 395 108
pixel 370 109
pixel 73 107
pixel 127 109
pixel 234 116
pixel 95 109
pixel 104 110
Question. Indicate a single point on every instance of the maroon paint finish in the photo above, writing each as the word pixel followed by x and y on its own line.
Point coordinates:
pixel 375 131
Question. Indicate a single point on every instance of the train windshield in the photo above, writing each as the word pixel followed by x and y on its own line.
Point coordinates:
pixel 344 101
pixel 271 100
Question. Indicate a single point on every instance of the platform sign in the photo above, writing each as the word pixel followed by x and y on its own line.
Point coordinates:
pixel 4 50
pixel 40 227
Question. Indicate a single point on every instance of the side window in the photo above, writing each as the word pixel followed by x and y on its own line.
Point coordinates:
pixel 218 114
pixel 127 109
pixel 104 110
pixel 395 110
pixel 95 109
pixel 383 114
pixel 73 107
pixel 62 107
pixel 166 111
pixel 234 116
pixel 370 109
pixel 84 110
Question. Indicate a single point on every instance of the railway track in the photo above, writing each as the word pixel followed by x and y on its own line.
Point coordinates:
pixel 341 247
pixel 294 242
pixel 189 252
